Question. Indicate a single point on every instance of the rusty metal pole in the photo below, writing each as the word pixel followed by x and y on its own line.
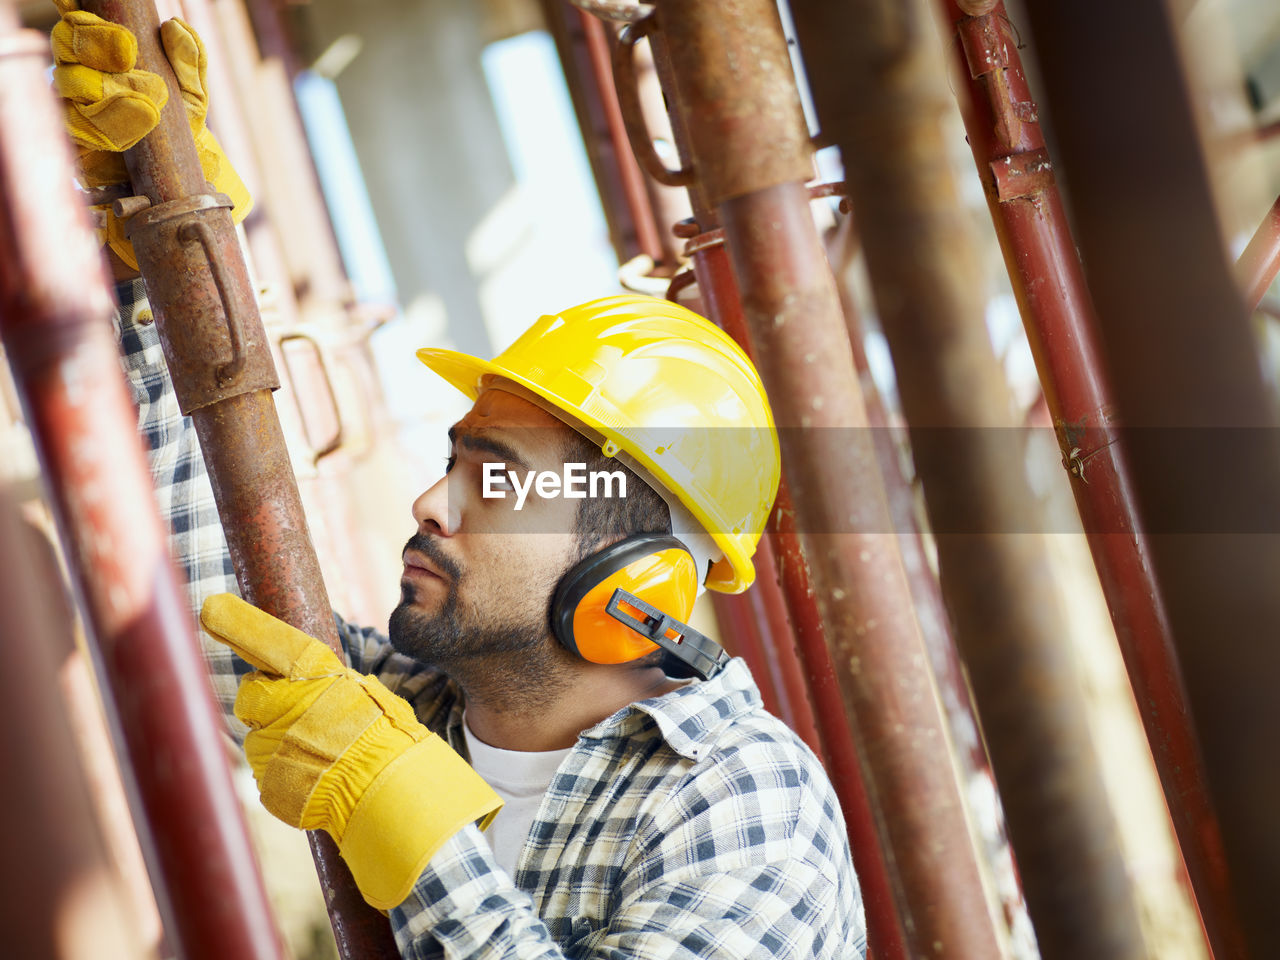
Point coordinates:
pixel 1199 417
pixel 1017 176
pixel 840 752
pixel 768 607
pixel 751 155
pixel 880 92
pixel 55 312
pixel 223 375
pixel 953 686
pixel 1260 261
pixel 768 604
pixel 780 548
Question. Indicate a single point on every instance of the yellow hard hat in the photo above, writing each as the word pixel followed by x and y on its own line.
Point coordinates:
pixel 669 389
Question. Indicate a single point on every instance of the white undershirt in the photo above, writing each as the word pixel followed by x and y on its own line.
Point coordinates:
pixel 521 779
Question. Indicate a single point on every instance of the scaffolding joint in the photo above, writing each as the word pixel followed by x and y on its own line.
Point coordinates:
pixel 1020 176
pixel 986 40
pixel 174 241
pixel 1083 439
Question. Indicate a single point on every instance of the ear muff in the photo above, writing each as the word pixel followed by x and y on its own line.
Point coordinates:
pixel 656 568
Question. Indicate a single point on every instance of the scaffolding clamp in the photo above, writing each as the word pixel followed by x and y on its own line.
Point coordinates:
pixel 209 361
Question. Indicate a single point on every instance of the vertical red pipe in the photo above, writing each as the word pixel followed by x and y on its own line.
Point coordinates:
pixel 741 637
pixel 757 617
pixel 1184 363
pixel 840 753
pixel 55 314
pixel 1017 175
pixel 751 155
pixel 768 607
pixel 584 57
pixel 805 657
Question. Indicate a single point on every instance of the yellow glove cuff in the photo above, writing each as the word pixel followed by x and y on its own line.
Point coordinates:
pixel 420 800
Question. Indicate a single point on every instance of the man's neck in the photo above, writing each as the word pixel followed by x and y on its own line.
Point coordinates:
pixel 554 723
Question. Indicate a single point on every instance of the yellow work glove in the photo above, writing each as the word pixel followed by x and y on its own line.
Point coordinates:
pixel 335 750
pixel 109 105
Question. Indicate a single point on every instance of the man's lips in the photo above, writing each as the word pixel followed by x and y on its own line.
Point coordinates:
pixel 415 562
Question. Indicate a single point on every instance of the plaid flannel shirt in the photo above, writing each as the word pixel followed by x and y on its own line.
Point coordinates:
pixel 689 825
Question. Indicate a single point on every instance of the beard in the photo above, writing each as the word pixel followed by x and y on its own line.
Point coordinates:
pixel 487 657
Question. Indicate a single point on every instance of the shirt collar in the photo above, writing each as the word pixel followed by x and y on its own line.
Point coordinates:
pixel 691 717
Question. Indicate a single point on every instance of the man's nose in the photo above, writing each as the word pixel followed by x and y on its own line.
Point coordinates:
pixel 433 512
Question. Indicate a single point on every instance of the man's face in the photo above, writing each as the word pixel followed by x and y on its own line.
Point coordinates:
pixel 478 573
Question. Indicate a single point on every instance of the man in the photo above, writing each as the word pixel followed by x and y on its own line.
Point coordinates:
pixel 652 808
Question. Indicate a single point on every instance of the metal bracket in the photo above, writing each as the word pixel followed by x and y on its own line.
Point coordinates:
pixel 624 80
pixel 216 347
pixel 197 231
pixel 318 453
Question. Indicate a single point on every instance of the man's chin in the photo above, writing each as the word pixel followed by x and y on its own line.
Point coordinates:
pixel 415 632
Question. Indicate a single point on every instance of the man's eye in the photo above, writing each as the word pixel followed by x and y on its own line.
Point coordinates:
pixel 498 480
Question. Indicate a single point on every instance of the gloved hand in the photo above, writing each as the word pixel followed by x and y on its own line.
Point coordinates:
pixel 110 106
pixel 335 750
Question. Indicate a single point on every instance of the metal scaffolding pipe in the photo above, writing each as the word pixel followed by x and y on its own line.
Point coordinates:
pixel 862 593
pixel 751 155
pixel 935 625
pixel 216 350
pixel 880 94
pixel 802 647
pixel 1031 226
pixel 771 595
pixel 55 312
pixel 768 608
pixel 925 589
pixel 839 752
pixel 1260 261
pixel 1199 417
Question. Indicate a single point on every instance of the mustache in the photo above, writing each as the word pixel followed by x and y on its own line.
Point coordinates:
pixel 430 548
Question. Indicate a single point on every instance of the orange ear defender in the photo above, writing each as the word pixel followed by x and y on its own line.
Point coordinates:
pixel 625 601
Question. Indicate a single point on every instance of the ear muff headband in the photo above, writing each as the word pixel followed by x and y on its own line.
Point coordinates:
pixel 655 567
